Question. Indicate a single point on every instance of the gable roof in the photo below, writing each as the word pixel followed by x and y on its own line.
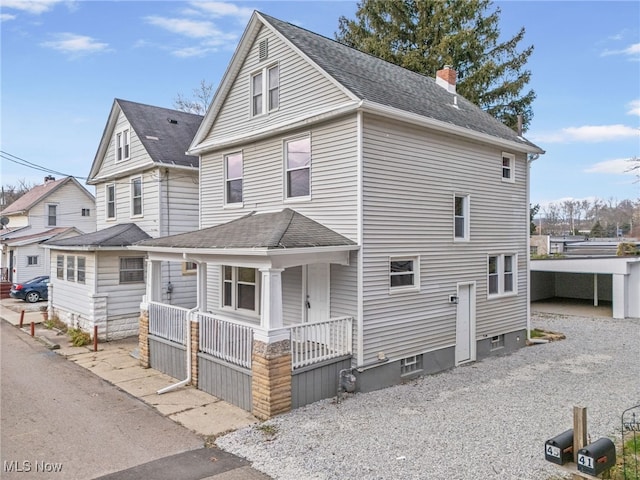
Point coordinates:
pixel 274 230
pixel 380 86
pixel 40 237
pixel 164 133
pixel 39 193
pixel 120 235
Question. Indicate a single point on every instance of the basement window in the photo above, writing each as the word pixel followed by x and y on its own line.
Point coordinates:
pixel 410 365
pixel 497 342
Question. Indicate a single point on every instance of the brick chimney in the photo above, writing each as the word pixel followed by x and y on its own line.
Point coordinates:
pixel 446 78
pixel 49 178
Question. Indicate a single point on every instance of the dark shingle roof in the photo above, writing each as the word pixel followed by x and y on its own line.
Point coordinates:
pixel 117 236
pixel 384 83
pixel 285 229
pixel 173 139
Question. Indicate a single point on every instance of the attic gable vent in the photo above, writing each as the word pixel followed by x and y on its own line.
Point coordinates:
pixel 264 50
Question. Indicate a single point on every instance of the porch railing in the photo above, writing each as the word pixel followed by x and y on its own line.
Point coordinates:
pixel 225 339
pixel 319 341
pixel 168 322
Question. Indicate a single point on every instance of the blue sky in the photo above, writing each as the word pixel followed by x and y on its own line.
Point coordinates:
pixel 63 63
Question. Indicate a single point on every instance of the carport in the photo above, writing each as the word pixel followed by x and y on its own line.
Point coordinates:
pixel 600 279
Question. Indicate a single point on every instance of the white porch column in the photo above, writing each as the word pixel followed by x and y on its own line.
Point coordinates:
pixel 202 286
pixel 595 289
pixel 271 322
pixel 154 281
pixel 619 298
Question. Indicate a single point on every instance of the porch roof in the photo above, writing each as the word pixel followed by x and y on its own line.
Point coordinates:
pixel 286 229
pixel 117 236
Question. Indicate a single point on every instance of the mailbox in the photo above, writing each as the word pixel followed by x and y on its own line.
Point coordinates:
pixel 597 457
pixel 559 449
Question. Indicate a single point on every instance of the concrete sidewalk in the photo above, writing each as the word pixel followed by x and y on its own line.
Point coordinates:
pixel 194 409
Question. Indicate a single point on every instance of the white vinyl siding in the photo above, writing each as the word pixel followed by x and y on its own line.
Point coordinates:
pixel 68 293
pixel 123 299
pixel 409 211
pixel 333 183
pixel 302 91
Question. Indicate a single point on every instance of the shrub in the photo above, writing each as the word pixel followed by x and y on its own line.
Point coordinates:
pixel 78 337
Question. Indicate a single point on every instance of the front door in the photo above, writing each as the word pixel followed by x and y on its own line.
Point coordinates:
pixel 465 324
pixel 316 300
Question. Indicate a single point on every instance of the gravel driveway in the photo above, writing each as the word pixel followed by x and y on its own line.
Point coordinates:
pixel 487 420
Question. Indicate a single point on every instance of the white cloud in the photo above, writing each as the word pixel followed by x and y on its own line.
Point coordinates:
pixel 73 44
pixel 632 50
pixel 223 9
pixel 182 26
pixel 588 133
pixel 634 107
pixel 35 7
pixel 4 17
pixel 617 166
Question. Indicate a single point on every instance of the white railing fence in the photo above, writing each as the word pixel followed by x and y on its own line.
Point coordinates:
pixel 168 322
pixel 319 341
pixel 224 339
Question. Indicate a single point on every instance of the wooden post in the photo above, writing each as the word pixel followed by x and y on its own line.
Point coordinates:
pixel 579 435
pixel 21 318
pixel 95 338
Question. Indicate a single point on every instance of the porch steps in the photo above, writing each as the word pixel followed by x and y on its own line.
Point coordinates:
pixel 5 287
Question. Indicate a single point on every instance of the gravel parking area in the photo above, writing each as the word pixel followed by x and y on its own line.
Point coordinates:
pixel 487 420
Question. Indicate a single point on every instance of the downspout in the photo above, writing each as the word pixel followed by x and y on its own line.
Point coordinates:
pixel 530 159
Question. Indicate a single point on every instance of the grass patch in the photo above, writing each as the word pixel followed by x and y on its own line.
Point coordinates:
pixel 536 333
pixel 78 337
pixel 56 323
pixel 269 431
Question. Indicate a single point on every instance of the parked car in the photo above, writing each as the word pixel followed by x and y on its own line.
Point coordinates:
pixel 32 290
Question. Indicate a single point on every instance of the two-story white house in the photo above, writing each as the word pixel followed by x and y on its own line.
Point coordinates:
pixel 56 209
pixel 360 224
pixel 145 187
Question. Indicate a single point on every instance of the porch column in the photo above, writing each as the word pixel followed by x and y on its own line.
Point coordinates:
pixel 618 297
pixel 202 287
pixel 143 337
pixel 271 353
pixel 595 289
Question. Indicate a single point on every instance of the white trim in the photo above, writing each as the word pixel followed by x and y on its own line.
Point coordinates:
pixel 415 287
pixel 285 169
pixel 472 322
pixel 500 274
pixel 466 214
pixel 360 236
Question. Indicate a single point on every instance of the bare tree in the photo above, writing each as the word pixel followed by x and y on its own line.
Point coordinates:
pixel 10 193
pixel 202 96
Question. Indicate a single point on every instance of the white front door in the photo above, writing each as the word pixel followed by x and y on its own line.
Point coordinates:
pixel 316 302
pixel 465 324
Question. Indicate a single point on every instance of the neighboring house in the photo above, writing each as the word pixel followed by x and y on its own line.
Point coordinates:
pixel 356 218
pixel 55 209
pixel 145 187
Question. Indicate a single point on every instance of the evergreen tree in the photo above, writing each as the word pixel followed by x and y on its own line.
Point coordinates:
pixel 425 35
pixel 597 231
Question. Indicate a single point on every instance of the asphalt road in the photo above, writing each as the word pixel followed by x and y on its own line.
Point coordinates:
pixel 61 421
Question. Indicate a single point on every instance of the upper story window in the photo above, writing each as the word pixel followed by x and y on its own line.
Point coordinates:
pixel 86 212
pixel 508 167
pixel 52 219
pixel 404 273
pixel 136 196
pixel 122 145
pixel 265 90
pixel 233 178
pixel 131 269
pixel 298 167
pixel 240 288
pixel 461 217
pixel 501 274
pixel 111 201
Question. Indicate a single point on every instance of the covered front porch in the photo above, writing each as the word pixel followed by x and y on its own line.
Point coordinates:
pixel 265 334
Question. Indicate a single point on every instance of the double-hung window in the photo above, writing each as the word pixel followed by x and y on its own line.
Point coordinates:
pixel 60 266
pixel 461 217
pixel 111 201
pixel 122 145
pixel 501 275
pixel 233 178
pixel 298 167
pixel 71 268
pixel 265 90
pixel 240 288
pixel 404 274
pixel 508 167
pixel 81 269
pixel 131 269
pixel 136 196
pixel 52 217
pixel 32 259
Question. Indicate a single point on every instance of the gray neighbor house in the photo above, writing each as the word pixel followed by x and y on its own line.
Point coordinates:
pixel 360 224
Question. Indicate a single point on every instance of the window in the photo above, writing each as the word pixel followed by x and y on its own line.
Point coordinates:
pixel 240 288
pixel 122 145
pixel 501 275
pixel 410 365
pixel 86 212
pixel 111 201
pixel 298 165
pixel 233 177
pixel 189 268
pixel 508 169
pixel 32 260
pixel 497 342
pixel 71 268
pixel 461 217
pixel 51 215
pixel 60 266
pixel 404 273
pixel 136 196
pixel 131 269
pixel 267 80
pixel 81 269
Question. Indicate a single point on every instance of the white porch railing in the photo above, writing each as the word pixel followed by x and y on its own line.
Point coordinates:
pixel 168 322
pixel 225 339
pixel 319 341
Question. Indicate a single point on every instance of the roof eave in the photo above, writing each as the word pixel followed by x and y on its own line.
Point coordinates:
pixel 256 251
